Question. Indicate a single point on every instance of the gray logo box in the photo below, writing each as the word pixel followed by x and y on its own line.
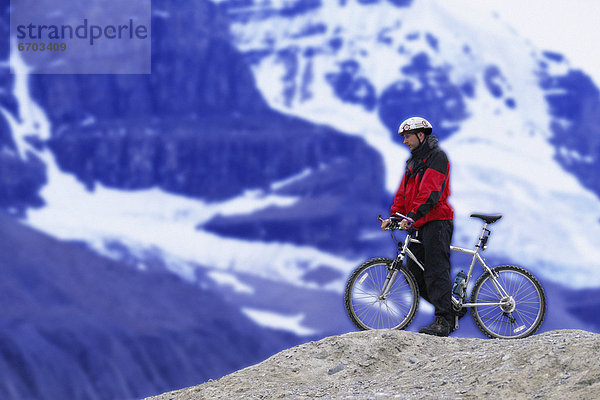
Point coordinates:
pixel 82 37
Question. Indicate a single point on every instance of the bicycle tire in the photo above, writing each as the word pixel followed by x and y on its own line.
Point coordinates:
pixel 529 303
pixel 361 297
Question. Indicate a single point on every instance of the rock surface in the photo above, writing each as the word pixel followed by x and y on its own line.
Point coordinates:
pixel 398 364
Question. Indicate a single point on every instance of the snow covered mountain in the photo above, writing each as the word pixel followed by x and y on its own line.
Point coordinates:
pixel 519 125
pixel 254 159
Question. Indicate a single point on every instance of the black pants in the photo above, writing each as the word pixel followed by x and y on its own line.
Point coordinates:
pixel 434 283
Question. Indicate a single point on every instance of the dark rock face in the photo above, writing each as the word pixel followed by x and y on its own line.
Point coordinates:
pixel 196 126
pixel 20 182
pixel 214 157
pixel 442 100
pixel 352 88
pixel 105 126
pixel 195 71
pixel 574 105
pixel 21 176
pixel 337 203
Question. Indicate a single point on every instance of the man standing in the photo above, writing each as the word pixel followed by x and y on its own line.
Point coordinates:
pixel 423 196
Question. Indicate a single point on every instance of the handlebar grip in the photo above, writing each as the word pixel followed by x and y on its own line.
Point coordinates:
pixel 401 216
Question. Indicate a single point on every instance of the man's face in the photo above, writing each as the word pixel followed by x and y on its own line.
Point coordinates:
pixel 412 140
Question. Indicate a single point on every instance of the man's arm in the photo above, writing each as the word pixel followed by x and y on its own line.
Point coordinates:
pixel 399 203
pixel 432 185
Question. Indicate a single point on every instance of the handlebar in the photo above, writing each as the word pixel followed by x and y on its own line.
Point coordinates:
pixel 396 218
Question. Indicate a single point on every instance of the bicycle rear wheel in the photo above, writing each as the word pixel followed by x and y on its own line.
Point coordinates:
pixel 366 306
pixel 524 303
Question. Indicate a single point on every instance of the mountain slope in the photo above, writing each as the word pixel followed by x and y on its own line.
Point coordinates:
pixel 79 326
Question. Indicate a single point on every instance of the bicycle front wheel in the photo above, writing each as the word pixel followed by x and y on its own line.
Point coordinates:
pixel 522 298
pixel 366 304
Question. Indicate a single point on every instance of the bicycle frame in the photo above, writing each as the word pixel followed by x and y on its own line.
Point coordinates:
pixel 476 257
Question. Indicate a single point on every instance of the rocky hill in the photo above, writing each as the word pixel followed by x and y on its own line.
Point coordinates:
pixel 398 364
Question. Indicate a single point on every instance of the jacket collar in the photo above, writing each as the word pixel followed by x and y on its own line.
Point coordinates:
pixel 430 143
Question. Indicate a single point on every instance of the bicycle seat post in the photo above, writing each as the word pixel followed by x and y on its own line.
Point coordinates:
pixel 487 219
pixel 482 236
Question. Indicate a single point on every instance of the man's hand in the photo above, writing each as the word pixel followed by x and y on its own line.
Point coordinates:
pixel 404 225
pixel 385 223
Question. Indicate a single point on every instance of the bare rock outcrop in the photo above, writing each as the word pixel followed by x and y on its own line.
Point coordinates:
pixel 389 364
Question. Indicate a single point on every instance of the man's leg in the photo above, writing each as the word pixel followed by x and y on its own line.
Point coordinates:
pixel 417 250
pixel 436 237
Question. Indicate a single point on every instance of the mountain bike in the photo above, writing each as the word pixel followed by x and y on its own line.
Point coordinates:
pixel 506 301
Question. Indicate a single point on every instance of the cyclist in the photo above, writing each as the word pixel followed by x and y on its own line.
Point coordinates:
pixel 423 196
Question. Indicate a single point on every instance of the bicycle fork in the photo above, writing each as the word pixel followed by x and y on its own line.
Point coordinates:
pixel 391 276
pixel 394 268
pixel 389 281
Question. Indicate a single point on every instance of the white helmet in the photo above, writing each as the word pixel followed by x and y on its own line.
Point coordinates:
pixel 414 125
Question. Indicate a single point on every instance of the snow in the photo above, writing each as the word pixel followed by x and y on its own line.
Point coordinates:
pixel 284 182
pixel 229 280
pixel 31 118
pixel 567 28
pixel 544 208
pixel 268 319
pixel 152 222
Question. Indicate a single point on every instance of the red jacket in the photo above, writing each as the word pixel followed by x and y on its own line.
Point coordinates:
pixel 425 187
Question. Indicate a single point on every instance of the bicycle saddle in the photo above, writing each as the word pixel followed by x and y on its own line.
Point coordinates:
pixel 489 219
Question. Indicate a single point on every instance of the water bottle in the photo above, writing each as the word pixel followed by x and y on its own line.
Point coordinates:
pixel 457 289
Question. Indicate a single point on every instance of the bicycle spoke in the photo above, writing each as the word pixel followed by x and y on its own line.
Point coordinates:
pixel 373 312
pixel 525 302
